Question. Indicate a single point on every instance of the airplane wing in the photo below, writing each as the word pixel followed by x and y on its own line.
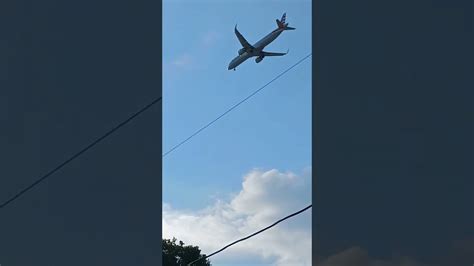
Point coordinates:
pixel 273 54
pixel 242 40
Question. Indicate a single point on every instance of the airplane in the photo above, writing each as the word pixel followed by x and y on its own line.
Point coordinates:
pixel 247 51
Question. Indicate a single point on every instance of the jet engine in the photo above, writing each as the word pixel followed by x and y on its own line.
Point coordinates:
pixel 241 51
pixel 258 59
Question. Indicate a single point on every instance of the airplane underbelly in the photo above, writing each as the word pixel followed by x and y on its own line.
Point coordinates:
pixel 244 57
pixel 239 60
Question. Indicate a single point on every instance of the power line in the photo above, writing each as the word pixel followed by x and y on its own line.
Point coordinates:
pixel 47 175
pixel 256 233
pixel 143 109
pixel 235 106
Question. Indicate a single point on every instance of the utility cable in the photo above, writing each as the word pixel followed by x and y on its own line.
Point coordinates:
pixel 235 106
pixel 256 233
pixel 42 178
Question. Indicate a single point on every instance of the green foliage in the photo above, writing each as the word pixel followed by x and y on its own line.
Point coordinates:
pixel 180 255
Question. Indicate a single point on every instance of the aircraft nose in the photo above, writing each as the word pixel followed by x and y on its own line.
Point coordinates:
pixel 232 64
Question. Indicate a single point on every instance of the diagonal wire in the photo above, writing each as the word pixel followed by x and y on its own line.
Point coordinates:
pixel 42 178
pixel 235 106
pixel 47 175
pixel 256 233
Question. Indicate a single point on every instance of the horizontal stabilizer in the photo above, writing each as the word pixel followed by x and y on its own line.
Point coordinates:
pixel 273 54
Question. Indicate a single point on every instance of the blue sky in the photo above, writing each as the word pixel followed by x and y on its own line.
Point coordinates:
pixel 273 129
pixel 270 131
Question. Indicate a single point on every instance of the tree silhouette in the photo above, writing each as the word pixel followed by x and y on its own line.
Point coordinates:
pixel 180 255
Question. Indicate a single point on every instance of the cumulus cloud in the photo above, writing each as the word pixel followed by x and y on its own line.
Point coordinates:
pixel 265 197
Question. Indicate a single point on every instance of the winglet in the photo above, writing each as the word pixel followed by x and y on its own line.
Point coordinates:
pixel 241 39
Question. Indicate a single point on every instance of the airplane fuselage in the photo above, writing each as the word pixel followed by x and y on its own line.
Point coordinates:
pixel 258 47
pixel 267 39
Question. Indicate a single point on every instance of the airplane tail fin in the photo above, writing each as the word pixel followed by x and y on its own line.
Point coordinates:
pixel 281 23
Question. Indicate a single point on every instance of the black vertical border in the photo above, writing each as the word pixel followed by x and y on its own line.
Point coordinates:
pixel 320 194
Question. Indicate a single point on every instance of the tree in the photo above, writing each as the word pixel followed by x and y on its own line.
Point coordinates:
pixel 180 255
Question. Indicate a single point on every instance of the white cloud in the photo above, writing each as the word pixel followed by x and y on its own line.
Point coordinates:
pixel 183 61
pixel 210 38
pixel 174 67
pixel 191 60
pixel 265 197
